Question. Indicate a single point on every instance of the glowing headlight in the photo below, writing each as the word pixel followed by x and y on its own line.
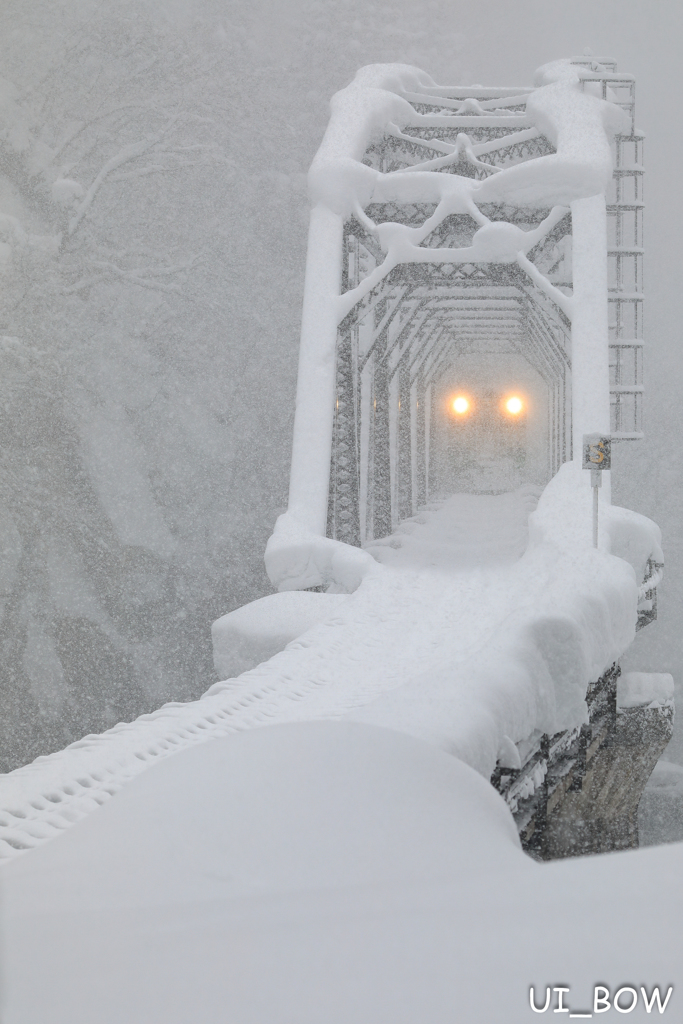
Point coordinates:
pixel 514 405
pixel 460 405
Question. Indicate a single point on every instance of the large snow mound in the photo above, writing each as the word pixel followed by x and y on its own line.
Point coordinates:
pixel 323 872
pixel 287 808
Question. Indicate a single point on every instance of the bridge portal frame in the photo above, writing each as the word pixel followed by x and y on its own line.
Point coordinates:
pixel 551 179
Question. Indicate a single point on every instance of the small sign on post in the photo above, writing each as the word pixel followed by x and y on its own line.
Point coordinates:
pixel 597 456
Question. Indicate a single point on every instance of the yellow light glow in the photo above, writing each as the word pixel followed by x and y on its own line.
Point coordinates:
pixel 514 405
pixel 460 404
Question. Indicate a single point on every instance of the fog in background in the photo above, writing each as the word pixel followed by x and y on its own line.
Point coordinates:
pixel 153 220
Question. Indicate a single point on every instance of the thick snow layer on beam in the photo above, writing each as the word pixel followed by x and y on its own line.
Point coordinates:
pixel 249 635
pixel 297 557
pixel 579 125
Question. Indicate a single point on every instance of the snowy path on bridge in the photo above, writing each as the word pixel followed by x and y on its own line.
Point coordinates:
pixel 467 531
pixel 454 639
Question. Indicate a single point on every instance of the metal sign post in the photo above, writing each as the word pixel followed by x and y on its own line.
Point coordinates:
pixel 597 456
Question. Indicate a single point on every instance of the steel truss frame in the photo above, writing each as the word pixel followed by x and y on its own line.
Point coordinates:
pixel 397 341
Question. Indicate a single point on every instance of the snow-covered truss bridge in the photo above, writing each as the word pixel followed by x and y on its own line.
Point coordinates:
pixel 464 238
pixel 472 309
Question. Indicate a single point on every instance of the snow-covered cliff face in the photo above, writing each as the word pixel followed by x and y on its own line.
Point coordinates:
pixel 144 405
pixel 153 218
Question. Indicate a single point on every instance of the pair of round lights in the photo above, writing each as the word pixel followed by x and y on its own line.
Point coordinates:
pixel 513 405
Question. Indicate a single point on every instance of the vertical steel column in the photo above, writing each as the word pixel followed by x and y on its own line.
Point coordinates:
pixel 590 332
pixel 405 455
pixel 431 427
pixel 345 487
pixel 381 483
pixel 312 445
pixel 421 442
pixel 552 433
pixel 366 447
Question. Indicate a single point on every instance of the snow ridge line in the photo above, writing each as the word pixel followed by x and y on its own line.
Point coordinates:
pixel 45 797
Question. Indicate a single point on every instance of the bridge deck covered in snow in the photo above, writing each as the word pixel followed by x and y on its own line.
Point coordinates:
pixel 465 632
